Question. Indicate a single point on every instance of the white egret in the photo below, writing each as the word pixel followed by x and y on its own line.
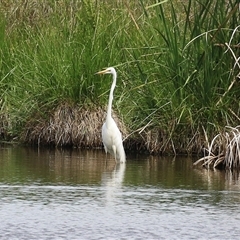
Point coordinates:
pixel 111 136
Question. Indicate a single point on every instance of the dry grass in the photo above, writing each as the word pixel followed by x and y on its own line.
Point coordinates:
pixel 4 124
pixel 158 140
pixel 223 151
pixel 69 126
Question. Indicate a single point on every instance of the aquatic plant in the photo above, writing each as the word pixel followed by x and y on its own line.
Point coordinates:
pixel 191 83
pixel 68 125
pixel 177 62
pixel 223 151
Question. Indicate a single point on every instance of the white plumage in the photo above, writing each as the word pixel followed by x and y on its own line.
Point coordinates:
pixel 111 136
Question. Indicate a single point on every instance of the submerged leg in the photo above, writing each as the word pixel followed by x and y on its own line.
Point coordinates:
pixel 115 152
pixel 105 148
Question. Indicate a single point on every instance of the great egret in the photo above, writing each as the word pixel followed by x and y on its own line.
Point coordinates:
pixel 111 136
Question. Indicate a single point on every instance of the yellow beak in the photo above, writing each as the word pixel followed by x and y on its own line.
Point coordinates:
pixel 102 72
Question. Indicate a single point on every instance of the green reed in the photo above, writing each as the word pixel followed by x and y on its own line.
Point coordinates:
pixel 174 68
pixel 51 52
pixel 191 69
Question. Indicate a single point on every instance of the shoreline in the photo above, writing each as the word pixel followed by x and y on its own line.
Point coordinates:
pixel 76 126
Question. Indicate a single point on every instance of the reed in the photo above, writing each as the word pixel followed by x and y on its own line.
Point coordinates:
pixel 50 53
pixel 190 87
pixel 177 71
pixel 223 151
pixel 69 125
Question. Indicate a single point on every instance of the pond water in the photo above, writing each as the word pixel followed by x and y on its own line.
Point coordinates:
pixel 77 194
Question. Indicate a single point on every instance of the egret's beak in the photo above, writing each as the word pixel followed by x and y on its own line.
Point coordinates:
pixel 102 72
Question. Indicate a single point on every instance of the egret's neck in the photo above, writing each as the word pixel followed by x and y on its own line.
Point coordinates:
pixel 109 111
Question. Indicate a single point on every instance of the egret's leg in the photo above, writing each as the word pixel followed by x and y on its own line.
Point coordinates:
pixel 115 152
pixel 105 148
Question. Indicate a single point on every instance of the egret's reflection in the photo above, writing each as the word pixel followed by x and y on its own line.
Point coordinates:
pixel 112 180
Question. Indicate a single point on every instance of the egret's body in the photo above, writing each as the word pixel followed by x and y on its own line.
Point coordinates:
pixel 111 136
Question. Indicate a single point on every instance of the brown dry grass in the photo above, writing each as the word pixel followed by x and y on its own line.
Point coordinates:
pixel 69 125
pixel 159 141
pixel 4 124
pixel 223 151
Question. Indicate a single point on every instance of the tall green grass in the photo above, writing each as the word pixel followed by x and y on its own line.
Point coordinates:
pixel 175 70
pixel 187 78
pixel 51 52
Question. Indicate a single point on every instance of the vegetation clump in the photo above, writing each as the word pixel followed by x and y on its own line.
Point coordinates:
pixel 177 63
pixel 68 125
pixel 223 151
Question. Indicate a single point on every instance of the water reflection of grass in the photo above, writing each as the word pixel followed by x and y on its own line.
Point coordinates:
pixel 179 83
pixel 179 173
pixel 85 167
pixel 53 166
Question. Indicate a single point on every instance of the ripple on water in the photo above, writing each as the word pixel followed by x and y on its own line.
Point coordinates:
pixel 75 195
pixel 95 212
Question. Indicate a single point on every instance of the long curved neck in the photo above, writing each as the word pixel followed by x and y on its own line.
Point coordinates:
pixel 109 110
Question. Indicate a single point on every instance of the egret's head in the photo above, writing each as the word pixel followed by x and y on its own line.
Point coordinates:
pixel 109 70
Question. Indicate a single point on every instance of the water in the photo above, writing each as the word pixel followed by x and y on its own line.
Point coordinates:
pixel 73 194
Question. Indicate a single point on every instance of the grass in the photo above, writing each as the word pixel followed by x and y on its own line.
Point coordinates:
pixel 189 72
pixel 68 125
pixel 177 66
pixel 223 151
